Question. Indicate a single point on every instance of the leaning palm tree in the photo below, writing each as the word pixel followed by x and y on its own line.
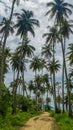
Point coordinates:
pixel 5 36
pixel 12 9
pixel 5 29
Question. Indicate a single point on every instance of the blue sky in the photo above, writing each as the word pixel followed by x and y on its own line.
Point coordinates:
pixel 39 9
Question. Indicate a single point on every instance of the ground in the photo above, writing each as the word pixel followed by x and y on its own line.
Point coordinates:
pixel 41 122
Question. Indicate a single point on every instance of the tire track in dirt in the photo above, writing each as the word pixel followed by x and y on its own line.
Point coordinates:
pixel 42 122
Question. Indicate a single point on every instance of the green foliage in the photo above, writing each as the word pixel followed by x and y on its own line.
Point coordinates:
pixel 5 98
pixel 13 122
pixel 63 120
pixel 24 103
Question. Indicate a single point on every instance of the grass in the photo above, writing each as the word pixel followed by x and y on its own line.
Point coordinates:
pixel 14 122
pixel 64 122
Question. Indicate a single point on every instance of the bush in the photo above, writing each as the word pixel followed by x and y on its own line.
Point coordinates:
pixel 5 100
pixel 24 103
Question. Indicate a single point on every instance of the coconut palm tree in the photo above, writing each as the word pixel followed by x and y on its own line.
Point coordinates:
pixel 31 87
pixel 47 51
pixel 5 28
pixel 35 64
pixel 25 23
pixel 46 84
pixel 27 51
pixel 51 38
pixel 38 82
pixel 60 9
pixel 54 67
pixel 5 36
pixel 65 31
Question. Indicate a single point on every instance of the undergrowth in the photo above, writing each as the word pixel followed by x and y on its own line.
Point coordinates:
pixel 14 122
pixel 64 122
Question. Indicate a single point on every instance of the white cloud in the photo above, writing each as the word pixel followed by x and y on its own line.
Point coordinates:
pixel 39 8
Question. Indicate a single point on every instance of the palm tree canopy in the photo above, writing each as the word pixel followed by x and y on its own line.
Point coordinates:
pixel 15 59
pixel 27 49
pixel 46 51
pixel 54 66
pixel 66 28
pixel 26 23
pixel 35 63
pixel 6 27
pixel 52 36
pixel 59 9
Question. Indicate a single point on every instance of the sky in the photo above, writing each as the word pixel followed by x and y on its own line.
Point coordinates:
pixel 39 9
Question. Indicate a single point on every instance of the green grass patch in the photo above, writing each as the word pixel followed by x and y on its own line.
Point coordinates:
pixel 14 122
pixel 64 122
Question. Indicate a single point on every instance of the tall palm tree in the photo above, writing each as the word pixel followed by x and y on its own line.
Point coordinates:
pixel 31 87
pixel 46 51
pixel 54 67
pixel 51 38
pixel 35 64
pixel 26 23
pixel 5 29
pixel 47 84
pixel 65 31
pixel 5 36
pixel 26 51
pixel 38 82
pixel 60 9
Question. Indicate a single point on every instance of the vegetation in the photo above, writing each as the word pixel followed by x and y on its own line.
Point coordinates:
pixel 14 122
pixel 64 122
pixel 22 96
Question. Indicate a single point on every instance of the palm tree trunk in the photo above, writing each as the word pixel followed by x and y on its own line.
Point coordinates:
pixel 12 9
pixel 67 80
pixel 2 60
pixel 54 88
pixel 63 81
pixel 15 92
pixel 14 100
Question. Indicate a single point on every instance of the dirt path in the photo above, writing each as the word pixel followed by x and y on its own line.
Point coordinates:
pixel 42 122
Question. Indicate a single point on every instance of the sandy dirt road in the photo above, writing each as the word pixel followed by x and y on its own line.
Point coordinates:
pixel 41 122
